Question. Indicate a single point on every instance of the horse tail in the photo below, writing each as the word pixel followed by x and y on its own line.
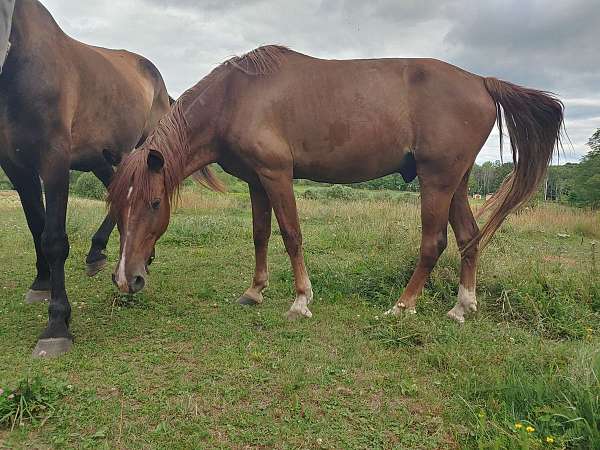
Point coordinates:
pixel 207 178
pixel 534 120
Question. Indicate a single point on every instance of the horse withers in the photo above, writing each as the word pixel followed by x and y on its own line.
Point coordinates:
pixel 274 115
pixel 67 105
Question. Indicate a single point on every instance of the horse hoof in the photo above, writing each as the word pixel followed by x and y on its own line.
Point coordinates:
pixel 52 347
pixel 33 296
pixel 456 316
pixel 397 309
pixel 245 300
pixel 298 313
pixel 92 269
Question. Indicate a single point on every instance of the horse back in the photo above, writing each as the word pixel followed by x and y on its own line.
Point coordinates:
pixel 352 120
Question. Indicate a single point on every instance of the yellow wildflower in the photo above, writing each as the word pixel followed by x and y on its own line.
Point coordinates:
pixel 530 429
pixel 549 439
pixel 518 426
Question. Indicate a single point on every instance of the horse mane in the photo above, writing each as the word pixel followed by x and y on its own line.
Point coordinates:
pixel 171 137
pixel 260 61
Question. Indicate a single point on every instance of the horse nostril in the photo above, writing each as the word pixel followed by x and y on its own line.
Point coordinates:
pixel 137 284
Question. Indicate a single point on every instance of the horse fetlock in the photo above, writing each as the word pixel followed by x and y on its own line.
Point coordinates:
pixel 466 303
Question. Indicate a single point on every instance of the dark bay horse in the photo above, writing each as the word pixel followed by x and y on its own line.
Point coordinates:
pixel 274 115
pixel 67 105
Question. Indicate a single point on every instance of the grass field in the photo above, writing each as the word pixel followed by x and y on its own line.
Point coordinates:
pixel 183 366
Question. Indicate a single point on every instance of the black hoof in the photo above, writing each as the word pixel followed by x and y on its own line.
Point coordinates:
pixel 247 301
pixel 93 268
pixel 33 296
pixel 52 347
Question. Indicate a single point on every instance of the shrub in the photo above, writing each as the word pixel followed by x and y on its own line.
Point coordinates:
pixel 88 186
pixel 32 400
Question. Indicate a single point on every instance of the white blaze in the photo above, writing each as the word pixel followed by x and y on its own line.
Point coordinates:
pixel 121 280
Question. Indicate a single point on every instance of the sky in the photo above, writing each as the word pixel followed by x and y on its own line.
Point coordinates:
pixel 548 45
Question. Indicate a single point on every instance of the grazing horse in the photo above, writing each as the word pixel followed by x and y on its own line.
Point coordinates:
pixel 274 115
pixel 67 105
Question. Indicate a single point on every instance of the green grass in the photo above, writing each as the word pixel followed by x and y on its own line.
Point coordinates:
pixel 183 366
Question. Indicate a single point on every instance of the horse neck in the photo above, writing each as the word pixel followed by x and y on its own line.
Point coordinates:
pixel 202 114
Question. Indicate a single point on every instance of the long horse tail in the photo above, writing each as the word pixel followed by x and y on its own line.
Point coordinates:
pixel 534 120
pixel 207 178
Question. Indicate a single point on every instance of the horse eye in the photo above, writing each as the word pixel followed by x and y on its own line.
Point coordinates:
pixel 155 204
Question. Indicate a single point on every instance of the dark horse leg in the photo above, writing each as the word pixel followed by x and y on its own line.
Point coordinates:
pixel 261 228
pixel 465 229
pixel 96 259
pixel 56 338
pixel 27 183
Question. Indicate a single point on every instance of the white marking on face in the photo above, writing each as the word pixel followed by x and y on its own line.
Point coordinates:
pixel 121 279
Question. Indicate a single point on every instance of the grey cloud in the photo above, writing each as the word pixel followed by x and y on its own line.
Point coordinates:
pixel 546 45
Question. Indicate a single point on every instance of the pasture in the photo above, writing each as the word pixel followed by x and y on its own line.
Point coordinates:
pixel 182 365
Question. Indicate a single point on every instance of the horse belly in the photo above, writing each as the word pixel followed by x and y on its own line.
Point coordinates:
pixel 348 151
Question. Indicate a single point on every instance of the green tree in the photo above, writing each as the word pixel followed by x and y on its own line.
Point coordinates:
pixel 586 177
pixel 594 141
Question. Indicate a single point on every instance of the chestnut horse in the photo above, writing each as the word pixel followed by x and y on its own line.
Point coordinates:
pixel 67 105
pixel 274 115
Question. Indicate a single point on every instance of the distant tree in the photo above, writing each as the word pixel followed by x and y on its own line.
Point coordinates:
pixel 586 177
pixel 594 141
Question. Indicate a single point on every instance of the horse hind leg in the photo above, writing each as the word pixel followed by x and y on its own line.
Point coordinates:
pixel 261 230
pixel 435 205
pixel 96 260
pixel 28 186
pixel 465 229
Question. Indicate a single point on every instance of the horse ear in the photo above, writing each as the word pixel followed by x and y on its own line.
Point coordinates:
pixel 156 161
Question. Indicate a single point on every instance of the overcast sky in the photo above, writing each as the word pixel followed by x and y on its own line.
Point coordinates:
pixel 549 45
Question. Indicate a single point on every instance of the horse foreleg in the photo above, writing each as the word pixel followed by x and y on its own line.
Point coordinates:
pixel 465 229
pixel 261 230
pixel 96 259
pixel 56 338
pixel 435 204
pixel 281 193
pixel 27 183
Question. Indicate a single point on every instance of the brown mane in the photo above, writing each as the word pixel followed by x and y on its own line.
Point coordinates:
pixel 170 137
